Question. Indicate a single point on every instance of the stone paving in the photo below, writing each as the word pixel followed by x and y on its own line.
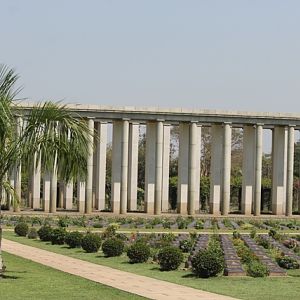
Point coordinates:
pixel 141 285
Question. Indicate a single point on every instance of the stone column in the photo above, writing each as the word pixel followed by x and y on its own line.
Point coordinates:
pixel 68 195
pixel 290 171
pixel 183 168
pixel 279 158
pixel 46 192
pixel 198 168
pixel 158 166
pixel 216 169
pixel 18 174
pixel 80 195
pixel 248 169
pixel 226 169
pixel 258 168
pixel 89 179
pixel 133 166
pixel 101 165
pixel 53 187
pixel 124 166
pixel 165 169
pixel 150 167
pixel 36 184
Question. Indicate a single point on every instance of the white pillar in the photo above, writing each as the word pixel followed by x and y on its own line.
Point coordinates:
pixel 101 165
pixel 183 168
pixel 150 167
pixel 198 169
pixel 279 158
pixel 165 170
pixel 46 192
pixel 80 195
pixel 133 166
pixel 53 187
pixel 12 183
pixel 36 184
pixel 158 166
pixel 290 171
pixel 89 179
pixel 258 168
pixel 248 169
pixel 216 169
pixel 68 195
pixel 226 169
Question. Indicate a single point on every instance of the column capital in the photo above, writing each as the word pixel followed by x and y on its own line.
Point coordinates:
pixel 291 125
pixel 259 124
pixel 125 119
pixel 160 120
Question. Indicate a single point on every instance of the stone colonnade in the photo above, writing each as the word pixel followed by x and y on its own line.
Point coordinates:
pixel 91 192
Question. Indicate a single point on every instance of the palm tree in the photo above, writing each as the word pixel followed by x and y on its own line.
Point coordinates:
pixel 51 134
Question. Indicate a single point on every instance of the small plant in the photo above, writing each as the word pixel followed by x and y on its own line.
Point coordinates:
pixel 58 236
pixel 274 234
pixel 262 242
pixel 45 233
pixel 170 258
pixel 236 234
pixel 32 234
pixel 110 231
pixel 257 269
pixel 74 239
pixel 253 233
pixel 113 247
pixel 185 246
pixel 91 242
pixel 138 252
pixel 287 262
pixel 21 229
pixel 64 221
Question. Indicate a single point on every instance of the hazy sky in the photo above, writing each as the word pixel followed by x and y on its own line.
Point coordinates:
pixel 237 55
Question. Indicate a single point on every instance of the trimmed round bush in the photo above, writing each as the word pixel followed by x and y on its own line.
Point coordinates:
pixel 113 247
pixel 170 258
pixel 45 233
pixel 32 234
pixel 207 263
pixel 138 252
pixel 91 242
pixel 74 239
pixel 257 269
pixel 185 246
pixel 58 236
pixel 21 229
pixel 287 262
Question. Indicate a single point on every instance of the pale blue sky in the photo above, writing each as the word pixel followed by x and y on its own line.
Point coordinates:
pixel 237 55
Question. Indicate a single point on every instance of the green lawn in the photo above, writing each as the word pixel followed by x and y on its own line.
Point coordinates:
pixel 243 288
pixel 25 279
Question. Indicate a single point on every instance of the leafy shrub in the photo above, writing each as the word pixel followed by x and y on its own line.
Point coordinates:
pixel 91 242
pixel 236 234
pixel 170 258
pixel 207 263
pixel 257 269
pixel 262 242
pixel 185 246
pixel 58 236
pixel 21 229
pixel 110 231
pixel 45 233
pixel 138 252
pixel 32 234
pixel 253 233
pixel 64 221
pixel 288 262
pixel 74 239
pixel 274 234
pixel 113 247
pixel 199 224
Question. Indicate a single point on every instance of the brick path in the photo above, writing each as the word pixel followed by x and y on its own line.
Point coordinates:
pixel 129 282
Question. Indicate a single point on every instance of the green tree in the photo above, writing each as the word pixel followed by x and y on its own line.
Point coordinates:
pixel 52 134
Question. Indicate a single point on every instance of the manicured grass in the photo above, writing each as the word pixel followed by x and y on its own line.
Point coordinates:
pixel 25 279
pixel 242 288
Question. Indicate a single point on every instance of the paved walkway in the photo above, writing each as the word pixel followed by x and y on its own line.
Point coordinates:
pixel 129 282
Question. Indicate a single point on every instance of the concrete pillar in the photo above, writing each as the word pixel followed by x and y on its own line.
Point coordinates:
pixel 226 169
pixel 150 163
pixel 46 192
pixel 68 195
pixel 258 168
pixel 216 169
pixel 290 171
pixel 279 158
pixel 124 166
pixel 248 169
pixel 18 174
pixel 165 169
pixel 183 168
pixel 53 188
pixel 89 179
pixel 133 166
pixel 198 169
pixel 158 166
pixel 80 195
pixel 36 184
pixel 101 165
